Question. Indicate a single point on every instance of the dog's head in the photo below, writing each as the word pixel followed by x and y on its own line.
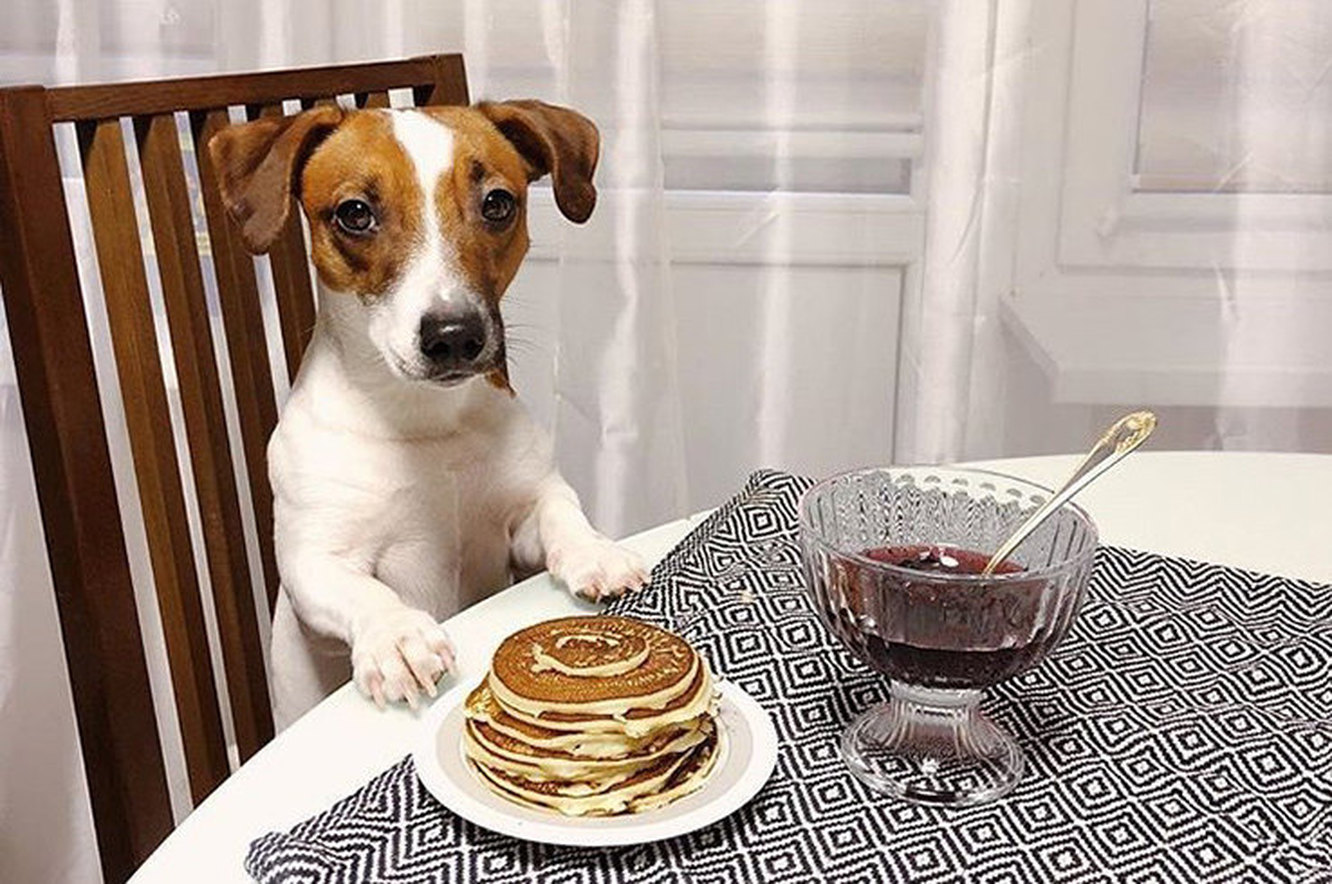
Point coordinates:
pixel 419 215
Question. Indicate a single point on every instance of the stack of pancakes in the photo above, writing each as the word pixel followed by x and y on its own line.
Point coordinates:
pixel 593 715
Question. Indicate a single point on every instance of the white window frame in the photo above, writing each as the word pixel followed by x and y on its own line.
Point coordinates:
pixel 1108 220
pixel 1105 275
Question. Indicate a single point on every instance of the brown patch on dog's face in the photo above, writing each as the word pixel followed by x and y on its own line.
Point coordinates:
pixel 486 175
pixel 362 162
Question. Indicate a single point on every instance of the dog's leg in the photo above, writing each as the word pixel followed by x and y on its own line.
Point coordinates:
pixel 555 534
pixel 396 651
pixel 306 667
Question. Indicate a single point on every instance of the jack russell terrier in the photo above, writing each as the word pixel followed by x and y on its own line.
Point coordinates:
pixel 408 482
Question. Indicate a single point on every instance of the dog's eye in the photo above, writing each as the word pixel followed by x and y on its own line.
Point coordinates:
pixel 498 206
pixel 354 217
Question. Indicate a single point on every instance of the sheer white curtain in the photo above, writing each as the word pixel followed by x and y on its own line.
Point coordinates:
pixel 831 232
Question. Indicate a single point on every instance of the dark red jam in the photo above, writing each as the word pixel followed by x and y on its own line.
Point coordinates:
pixel 926 630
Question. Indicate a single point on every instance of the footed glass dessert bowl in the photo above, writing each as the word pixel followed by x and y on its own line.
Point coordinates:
pixel 894 558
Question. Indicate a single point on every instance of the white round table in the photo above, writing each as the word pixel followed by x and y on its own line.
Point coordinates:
pixel 1266 512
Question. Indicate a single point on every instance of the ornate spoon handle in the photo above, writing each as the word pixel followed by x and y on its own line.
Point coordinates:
pixel 1123 436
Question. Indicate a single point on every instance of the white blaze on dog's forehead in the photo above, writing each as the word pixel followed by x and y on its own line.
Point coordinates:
pixel 428 144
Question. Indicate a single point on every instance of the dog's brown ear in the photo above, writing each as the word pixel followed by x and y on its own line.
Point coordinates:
pixel 258 167
pixel 556 141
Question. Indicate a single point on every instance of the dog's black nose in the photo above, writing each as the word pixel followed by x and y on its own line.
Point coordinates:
pixel 453 340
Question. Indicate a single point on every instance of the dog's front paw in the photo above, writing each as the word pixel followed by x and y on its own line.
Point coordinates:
pixel 597 568
pixel 397 654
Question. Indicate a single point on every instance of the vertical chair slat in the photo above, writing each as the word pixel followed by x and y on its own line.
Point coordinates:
pixel 291 277
pixel 372 100
pixel 205 425
pixel 152 445
pixel 247 347
pixel 62 412
pixel 450 82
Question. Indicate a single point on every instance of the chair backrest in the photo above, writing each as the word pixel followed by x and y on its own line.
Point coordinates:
pixel 66 431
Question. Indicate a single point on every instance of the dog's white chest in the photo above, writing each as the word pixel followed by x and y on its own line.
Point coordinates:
pixel 443 533
pixel 427 517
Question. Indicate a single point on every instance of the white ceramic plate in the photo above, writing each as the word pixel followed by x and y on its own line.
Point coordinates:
pixel 748 748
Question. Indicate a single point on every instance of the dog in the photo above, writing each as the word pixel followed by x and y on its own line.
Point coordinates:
pixel 408 481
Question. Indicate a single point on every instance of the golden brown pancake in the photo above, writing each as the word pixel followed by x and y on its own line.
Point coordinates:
pixel 668 779
pixel 506 753
pixel 695 700
pixel 609 742
pixel 592 665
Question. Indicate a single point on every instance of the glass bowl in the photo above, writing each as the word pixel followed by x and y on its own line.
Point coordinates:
pixel 940 636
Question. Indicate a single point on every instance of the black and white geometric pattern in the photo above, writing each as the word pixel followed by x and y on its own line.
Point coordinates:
pixel 1181 732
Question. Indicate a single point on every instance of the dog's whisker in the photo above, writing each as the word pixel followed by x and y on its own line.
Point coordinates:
pixel 527 346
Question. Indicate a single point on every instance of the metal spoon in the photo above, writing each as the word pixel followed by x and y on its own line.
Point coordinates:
pixel 1123 436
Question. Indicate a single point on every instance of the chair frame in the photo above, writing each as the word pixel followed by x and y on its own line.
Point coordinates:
pixel 65 424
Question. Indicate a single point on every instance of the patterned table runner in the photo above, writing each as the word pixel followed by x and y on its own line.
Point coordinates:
pixel 1181 732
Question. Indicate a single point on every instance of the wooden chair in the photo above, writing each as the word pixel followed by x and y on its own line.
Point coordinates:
pixel 66 431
